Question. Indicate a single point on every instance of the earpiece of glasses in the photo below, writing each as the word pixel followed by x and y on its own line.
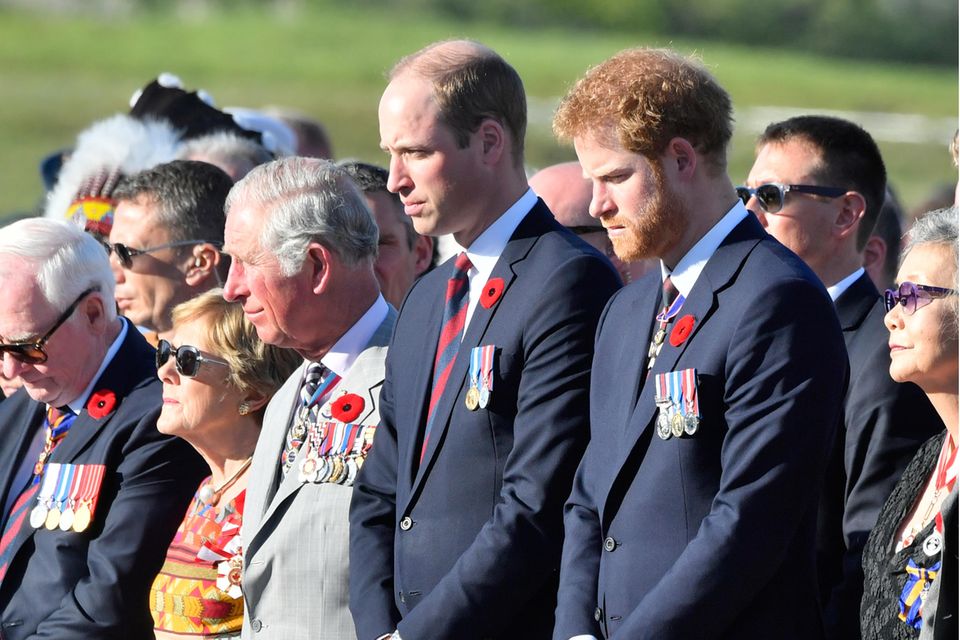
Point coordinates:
pixel 125 254
pixel 186 358
pixel 771 196
pixel 34 352
pixel 913 296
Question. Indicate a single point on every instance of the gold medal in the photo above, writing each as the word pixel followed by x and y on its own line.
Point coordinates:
pixel 659 336
pixel 81 519
pixel 38 516
pixel 53 519
pixel 473 399
pixel 676 425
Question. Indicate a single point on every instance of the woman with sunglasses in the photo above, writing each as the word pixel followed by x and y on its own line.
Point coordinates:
pixel 217 378
pixel 910 560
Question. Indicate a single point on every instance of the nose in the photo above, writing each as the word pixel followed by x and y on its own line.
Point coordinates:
pixel 234 288
pixel 753 205
pixel 894 318
pixel 168 371
pixel 398 177
pixel 600 202
pixel 11 366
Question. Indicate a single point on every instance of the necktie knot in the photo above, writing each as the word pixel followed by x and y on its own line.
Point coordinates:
pixel 462 265
pixel 311 380
pixel 670 292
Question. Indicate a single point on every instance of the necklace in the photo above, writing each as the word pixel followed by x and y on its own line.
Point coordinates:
pixel 210 496
pixel 943 479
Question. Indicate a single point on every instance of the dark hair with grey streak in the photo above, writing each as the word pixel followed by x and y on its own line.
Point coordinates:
pixel 939 227
pixel 188 195
pixel 308 200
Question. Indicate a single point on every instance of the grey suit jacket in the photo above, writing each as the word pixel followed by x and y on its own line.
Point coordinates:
pixel 295 532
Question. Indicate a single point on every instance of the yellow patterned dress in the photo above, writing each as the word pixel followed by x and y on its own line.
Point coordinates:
pixel 197 594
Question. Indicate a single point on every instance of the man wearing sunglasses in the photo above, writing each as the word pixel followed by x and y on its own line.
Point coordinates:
pixel 165 241
pixel 818 185
pixel 92 493
pixel 302 244
pixel 715 387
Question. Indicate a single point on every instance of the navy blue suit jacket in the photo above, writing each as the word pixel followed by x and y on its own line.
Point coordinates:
pixel 479 556
pixel 96 584
pixel 884 424
pixel 710 535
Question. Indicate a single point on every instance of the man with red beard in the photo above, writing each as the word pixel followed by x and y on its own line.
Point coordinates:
pixel 716 382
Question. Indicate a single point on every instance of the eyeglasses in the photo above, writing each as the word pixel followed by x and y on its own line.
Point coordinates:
pixel 126 255
pixel 584 229
pixel 186 357
pixel 32 352
pixel 771 196
pixel 913 296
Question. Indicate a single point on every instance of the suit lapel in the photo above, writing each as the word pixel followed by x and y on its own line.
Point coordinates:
pixel 516 250
pixel 16 434
pixel 854 304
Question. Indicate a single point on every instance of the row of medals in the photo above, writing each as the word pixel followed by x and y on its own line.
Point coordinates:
pixel 316 468
pixel 670 422
pixel 67 519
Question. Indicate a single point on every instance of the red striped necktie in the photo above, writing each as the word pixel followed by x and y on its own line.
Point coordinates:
pixel 56 424
pixel 451 333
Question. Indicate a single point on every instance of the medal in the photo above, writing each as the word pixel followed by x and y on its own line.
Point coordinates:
pixel 486 374
pixel 51 474
pixel 933 544
pixel 66 519
pixel 663 426
pixel 676 425
pixel 53 519
pixel 659 336
pixel 662 400
pixel 472 399
pixel 691 424
pixel 691 401
pixel 81 519
pixel 87 494
pixel 38 516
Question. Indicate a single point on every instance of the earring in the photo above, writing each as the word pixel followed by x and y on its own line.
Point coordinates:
pixel 243 409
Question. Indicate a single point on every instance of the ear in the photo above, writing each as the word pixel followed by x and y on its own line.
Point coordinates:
pixel 493 141
pixel 423 250
pixel 255 400
pixel 93 313
pixel 202 264
pixel 852 208
pixel 875 253
pixel 320 261
pixel 680 158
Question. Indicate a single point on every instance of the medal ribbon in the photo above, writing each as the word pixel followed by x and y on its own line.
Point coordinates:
pixel 667 315
pixel 946 475
pixel 64 481
pixel 475 367
pixel 351 435
pixel 75 484
pixel 326 384
pixel 911 598
pixel 676 392
pixel 51 475
pixel 92 487
pixel 691 400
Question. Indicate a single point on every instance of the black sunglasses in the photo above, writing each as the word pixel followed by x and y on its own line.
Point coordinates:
pixel 32 352
pixel 187 358
pixel 584 229
pixel 913 296
pixel 126 255
pixel 771 196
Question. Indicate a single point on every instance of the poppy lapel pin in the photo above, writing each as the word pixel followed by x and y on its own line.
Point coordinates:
pixel 347 407
pixel 682 330
pixel 491 292
pixel 101 403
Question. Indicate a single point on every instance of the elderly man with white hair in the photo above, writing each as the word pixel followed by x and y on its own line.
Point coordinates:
pixel 92 493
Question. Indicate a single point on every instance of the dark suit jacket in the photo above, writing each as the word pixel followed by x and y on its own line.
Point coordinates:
pixel 467 544
pixel 710 535
pixel 884 424
pixel 96 584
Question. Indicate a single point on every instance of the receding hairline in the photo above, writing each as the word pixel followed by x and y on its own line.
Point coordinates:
pixel 439 58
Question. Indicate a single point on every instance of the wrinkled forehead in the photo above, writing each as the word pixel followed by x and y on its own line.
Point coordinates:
pixel 26 312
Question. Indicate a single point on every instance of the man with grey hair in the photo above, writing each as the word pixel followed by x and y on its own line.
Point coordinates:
pixel 403 255
pixel 231 152
pixel 303 244
pixel 166 238
pixel 92 492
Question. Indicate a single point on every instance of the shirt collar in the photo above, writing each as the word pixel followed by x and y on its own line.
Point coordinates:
pixel 348 348
pixel 837 290
pixel 486 249
pixel 691 265
pixel 80 401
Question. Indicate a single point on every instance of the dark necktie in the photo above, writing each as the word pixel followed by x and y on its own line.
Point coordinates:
pixel 56 424
pixel 451 333
pixel 667 314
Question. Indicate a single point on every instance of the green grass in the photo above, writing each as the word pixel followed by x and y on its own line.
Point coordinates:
pixel 59 75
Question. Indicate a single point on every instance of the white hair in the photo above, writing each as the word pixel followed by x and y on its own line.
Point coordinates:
pixel 309 200
pixel 65 259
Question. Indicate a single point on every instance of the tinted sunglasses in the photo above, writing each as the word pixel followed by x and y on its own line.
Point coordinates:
pixel 187 358
pixel 913 296
pixel 771 196
pixel 126 255
pixel 32 352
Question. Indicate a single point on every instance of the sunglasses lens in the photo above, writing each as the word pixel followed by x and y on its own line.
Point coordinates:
pixel 187 361
pixel 770 197
pixel 889 299
pixel 744 194
pixel 123 255
pixel 163 353
pixel 908 297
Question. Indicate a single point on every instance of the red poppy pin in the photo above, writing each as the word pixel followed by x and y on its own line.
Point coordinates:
pixel 347 407
pixel 101 403
pixel 682 330
pixel 491 292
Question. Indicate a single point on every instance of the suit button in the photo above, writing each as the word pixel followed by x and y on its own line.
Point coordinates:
pixel 406 523
pixel 256 624
pixel 598 614
pixel 609 543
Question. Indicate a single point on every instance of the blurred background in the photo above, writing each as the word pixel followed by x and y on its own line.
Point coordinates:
pixel 890 65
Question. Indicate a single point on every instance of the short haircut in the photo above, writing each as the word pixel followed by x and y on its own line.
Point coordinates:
pixel 373 179
pixel 65 259
pixel 227 149
pixel 889 228
pixel 308 200
pixel 849 159
pixel 189 197
pixel 471 82
pixel 939 227
pixel 643 98
pixel 254 365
